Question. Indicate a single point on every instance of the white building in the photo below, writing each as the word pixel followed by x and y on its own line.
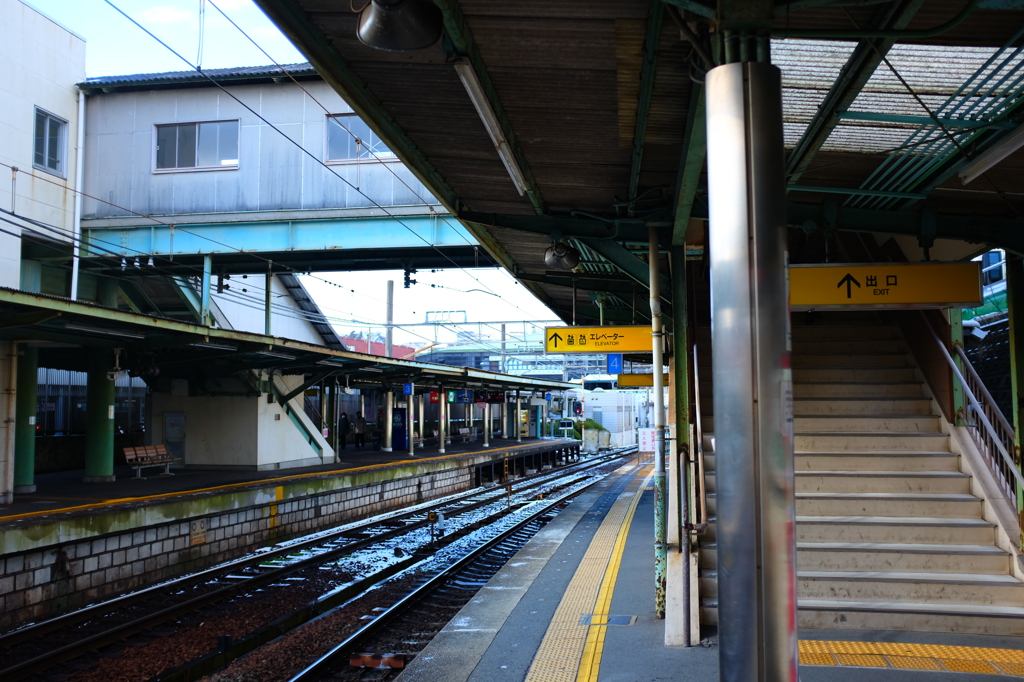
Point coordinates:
pixel 41 61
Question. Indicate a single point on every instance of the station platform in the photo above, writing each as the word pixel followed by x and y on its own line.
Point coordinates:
pixel 66 492
pixel 576 604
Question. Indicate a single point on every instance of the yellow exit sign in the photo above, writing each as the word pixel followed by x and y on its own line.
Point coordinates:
pixel 905 285
pixel 597 340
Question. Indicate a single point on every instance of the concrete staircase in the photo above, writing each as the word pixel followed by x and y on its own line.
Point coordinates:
pixel 889 536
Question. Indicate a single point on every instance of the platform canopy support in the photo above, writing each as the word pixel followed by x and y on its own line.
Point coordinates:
pixel 25 413
pixel 99 418
pixel 752 379
pixel 389 413
pixel 442 406
pixel 1015 311
pixel 8 381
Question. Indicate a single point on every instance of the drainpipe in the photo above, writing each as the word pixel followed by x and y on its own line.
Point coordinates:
pixel 660 498
pixel 79 182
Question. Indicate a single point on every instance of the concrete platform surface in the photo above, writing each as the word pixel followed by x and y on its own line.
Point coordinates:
pixel 65 491
pixel 594 564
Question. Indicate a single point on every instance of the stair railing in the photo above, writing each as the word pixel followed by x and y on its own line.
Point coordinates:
pixel 700 487
pixel 997 434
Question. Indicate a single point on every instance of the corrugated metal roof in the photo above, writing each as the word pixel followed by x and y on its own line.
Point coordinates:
pixel 181 77
pixel 809 67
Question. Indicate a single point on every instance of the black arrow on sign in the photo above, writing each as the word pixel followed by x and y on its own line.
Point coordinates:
pixel 556 338
pixel 848 280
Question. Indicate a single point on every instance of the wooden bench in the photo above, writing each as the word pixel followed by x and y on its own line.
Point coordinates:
pixel 143 456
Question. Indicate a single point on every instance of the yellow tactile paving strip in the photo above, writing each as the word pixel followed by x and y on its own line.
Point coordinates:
pixel 562 650
pixel 913 657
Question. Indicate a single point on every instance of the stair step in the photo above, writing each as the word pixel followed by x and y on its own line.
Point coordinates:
pixel 828 614
pixel 854 389
pixel 872 360
pixel 838 441
pixel 849 407
pixel 930 505
pixel 839 346
pixel 893 529
pixel 876 423
pixel 889 586
pixel 920 588
pixel 877 461
pixel 902 557
pixel 984 620
pixel 843 332
pixel 835 374
pixel 882 482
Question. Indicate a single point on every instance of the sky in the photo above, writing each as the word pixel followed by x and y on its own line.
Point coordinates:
pixel 115 47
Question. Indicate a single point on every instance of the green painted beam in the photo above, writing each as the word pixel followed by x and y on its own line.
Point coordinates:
pixel 877 117
pixel 625 261
pixel 648 70
pixel 462 39
pixel 611 285
pixel 643 314
pixel 852 78
pixel 695 147
pixel 629 230
pixel 699 8
pixel 996 232
pixel 855 192
pixel 312 381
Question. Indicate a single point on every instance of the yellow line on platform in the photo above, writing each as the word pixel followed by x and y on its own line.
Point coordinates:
pixel 257 483
pixel 569 637
pixel 912 657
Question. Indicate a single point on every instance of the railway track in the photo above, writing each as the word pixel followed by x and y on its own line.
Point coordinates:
pixel 30 651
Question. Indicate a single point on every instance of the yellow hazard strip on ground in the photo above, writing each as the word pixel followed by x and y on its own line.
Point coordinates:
pixel 571 649
pixel 912 657
pixel 330 473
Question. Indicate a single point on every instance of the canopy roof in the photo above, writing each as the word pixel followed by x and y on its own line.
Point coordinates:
pixel 602 107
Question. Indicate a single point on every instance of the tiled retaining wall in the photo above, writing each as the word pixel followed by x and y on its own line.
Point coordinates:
pixel 82 565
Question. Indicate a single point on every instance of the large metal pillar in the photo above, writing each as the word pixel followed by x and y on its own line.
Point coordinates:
pixel 99 418
pixel 25 413
pixel 677 586
pixel 487 425
pixel 753 385
pixel 658 363
pixel 516 419
pixel 410 414
pixel 1015 312
pixel 389 413
pixel 423 422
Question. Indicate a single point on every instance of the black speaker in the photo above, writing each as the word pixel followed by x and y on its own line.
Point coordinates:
pixel 398 25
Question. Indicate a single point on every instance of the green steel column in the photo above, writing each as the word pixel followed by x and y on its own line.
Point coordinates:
pixel 956 332
pixel 25 416
pixel 99 415
pixel 204 312
pixel 1015 312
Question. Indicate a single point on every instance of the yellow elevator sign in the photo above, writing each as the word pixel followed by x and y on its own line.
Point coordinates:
pixel 597 339
pixel 902 285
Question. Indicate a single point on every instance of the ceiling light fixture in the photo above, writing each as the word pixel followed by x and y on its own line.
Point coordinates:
pixel 213 346
pixel 399 25
pixel 561 256
pixel 483 109
pixel 992 156
pixel 108 332
pixel 378 370
pixel 271 354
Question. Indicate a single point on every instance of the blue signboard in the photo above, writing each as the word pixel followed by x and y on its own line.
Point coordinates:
pixel 407 389
pixel 615 363
pixel 464 397
pixel 547 396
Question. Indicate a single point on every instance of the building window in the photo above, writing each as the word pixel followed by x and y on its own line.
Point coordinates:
pixel 349 139
pixel 50 143
pixel 199 146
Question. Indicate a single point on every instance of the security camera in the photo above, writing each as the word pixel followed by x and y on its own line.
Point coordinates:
pixel 120 374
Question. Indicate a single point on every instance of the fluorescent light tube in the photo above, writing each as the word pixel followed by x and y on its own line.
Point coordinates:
pixel 483 109
pixel 271 354
pixel 991 157
pixel 109 332
pixel 213 346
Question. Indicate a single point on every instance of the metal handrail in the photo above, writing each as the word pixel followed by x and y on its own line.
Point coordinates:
pixel 701 487
pixel 977 383
pixel 1008 466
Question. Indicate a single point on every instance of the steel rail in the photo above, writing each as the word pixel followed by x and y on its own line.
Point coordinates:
pixel 114 634
pixel 343 650
pixel 1007 459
